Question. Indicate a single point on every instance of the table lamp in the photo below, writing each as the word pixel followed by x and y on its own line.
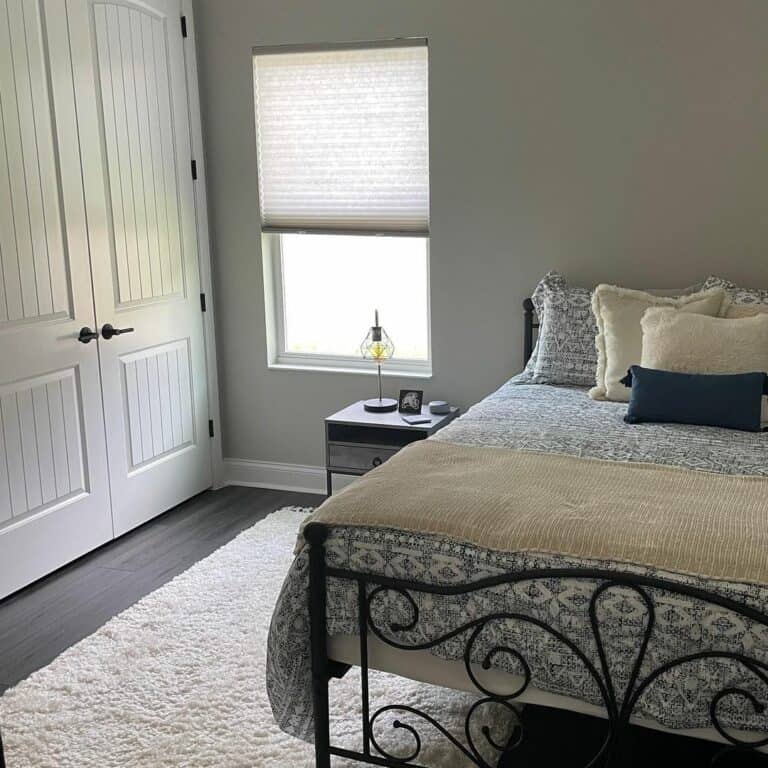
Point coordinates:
pixel 377 346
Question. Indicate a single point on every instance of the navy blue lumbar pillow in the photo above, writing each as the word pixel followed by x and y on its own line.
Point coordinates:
pixel 733 401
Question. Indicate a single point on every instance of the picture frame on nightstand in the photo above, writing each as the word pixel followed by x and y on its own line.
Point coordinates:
pixel 410 401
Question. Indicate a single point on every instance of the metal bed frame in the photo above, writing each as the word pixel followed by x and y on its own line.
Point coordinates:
pixel 619 704
pixel 531 325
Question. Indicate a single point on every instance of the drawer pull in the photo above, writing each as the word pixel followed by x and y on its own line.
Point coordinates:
pixel 361 458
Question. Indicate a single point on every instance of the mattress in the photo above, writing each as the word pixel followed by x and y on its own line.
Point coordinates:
pixel 558 420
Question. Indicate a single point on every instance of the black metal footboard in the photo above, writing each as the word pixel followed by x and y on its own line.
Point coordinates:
pixel 618 700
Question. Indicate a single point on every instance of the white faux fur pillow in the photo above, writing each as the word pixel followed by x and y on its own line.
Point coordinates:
pixel 686 343
pixel 618 312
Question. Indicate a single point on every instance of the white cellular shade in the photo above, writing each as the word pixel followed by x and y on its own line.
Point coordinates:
pixel 342 139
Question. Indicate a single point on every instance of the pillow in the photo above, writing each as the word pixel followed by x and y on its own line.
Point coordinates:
pixel 686 343
pixel 565 351
pixel 745 302
pixel 618 312
pixel 566 345
pixel 730 401
pixel 551 280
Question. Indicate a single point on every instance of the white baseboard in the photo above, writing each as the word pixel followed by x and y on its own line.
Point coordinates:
pixel 270 474
pixel 302 478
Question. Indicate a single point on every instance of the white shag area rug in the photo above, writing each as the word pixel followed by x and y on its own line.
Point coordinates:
pixel 178 678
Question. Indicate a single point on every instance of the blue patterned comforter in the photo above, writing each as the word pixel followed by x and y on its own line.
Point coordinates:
pixel 554 420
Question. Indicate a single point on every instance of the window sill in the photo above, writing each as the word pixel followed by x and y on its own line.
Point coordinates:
pixel 386 372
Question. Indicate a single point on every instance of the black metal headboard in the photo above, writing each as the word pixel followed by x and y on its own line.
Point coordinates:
pixel 531 324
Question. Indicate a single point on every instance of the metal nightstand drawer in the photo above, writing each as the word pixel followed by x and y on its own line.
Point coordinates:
pixel 357 457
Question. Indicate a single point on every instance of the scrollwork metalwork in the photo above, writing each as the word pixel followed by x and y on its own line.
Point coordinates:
pixel 620 695
pixel 399 724
pixel 618 707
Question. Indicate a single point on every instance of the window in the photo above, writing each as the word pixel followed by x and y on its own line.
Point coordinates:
pixel 344 201
pixel 326 288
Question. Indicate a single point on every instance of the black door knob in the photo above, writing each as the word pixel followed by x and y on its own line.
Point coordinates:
pixel 108 331
pixel 86 335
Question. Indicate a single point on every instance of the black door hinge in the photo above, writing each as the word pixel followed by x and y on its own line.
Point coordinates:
pixel 183 26
pixel 193 165
pixel 202 303
pixel 210 427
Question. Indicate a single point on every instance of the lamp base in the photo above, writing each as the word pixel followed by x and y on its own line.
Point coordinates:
pixel 380 405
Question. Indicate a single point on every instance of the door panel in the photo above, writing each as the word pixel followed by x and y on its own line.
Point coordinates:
pixel 138 129
pixel 54 499
pixel 159 404
pixel 33 265
pixel 41 434
pixel 144 253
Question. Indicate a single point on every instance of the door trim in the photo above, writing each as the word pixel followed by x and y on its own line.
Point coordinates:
pixel 189 46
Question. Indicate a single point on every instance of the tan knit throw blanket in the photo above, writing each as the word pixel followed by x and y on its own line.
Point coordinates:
pixel 679 520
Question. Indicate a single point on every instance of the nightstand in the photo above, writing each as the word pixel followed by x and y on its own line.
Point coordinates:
pixel 357 441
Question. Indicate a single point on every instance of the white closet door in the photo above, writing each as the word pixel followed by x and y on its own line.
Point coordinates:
pixel 138 186
pixel 54 499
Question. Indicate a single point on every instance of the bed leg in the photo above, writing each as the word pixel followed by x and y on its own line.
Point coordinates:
pixel 316 535
pixel 620 750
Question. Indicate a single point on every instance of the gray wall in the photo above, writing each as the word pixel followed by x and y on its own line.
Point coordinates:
pixel 615 140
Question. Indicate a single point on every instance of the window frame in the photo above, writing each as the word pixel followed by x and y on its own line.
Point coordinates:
pixel 277 355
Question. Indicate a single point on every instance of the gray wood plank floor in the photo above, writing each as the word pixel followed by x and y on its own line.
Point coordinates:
pixel 46 618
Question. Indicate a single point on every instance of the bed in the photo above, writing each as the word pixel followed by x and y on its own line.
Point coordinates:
pixel 640 623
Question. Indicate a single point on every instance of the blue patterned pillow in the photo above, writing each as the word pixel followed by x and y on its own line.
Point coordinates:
pixel 566 347
pixel 537 297
pixel 749 298
pixel 754 296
